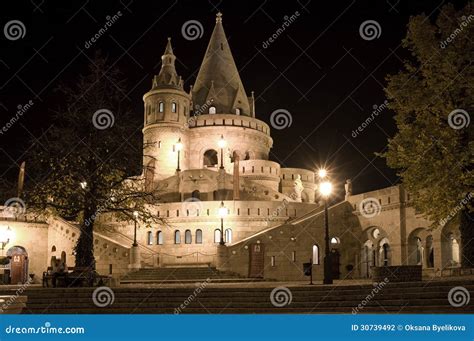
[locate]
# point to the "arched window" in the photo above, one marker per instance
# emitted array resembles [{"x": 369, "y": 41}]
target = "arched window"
[
  {"x": 212, "y": 110},
  {"x": 210, "y": 158},
  {"x": 198, "y": 236},
  {"x": 196, "y": 194},
  {"x": 161, "y": 107},
  {"x": 217, "y": 236},
  {"x": 237, "y": 111},
  {"x": 177, "y": 237},
  {"x": 159, "y": 238},
  {"x": 228, "y": 236},
  {"x": 149, "y": 238},
  {"x": 53, "y": 249},
  {"x": 174, "y": 107},
  {"x": 335, "y": 241},
  {"x": 315, "y": 254},
  {"x": 188, "y": 238}
]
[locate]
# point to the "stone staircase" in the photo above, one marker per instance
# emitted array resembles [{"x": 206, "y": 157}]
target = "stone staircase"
[
  {"x": 171, "y": 275},
  {"x": 415, "y": 297}
]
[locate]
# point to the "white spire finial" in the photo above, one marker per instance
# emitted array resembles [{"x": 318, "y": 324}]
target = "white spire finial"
[{"x": 219, "y": 18}]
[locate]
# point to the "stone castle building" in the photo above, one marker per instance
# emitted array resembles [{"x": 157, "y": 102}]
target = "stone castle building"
[{"x": 225, "y": 204}]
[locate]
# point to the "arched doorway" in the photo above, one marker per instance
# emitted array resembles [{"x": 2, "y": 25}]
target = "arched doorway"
[
  {"x": 375, "y": 251},
  {"x": 18, "y": 264}
]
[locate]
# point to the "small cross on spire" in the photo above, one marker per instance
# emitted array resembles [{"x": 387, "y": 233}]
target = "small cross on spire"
[{"x": 219, "y": 18}]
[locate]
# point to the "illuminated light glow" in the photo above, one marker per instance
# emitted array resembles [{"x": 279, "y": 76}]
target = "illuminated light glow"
[
  {"x": 325, "y": 188},
  {"x": 83, "y": 184},
  {"x": 322, "y": 173},
  {"x": 222, "y": 142},
  {"x": 179, "y": 145},
  {"x": 6, "y": 235},
  {"x": 222, "y": 210},
  {"x": 135, "y": 214}
]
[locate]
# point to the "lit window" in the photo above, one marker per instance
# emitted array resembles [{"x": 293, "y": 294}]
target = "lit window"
[
  {"x": 159, "y": 238},
  {"x": 228, "y": 236},
  {"x": 161, "y": 107},
  {"x": 293, "y": 256},
  {"x": 212, "y": 110},
  {"x": 217, "y": 236},
  {"x": 335, "y": 240},
  {"x": 237, "y": 111},
  {"x": 315, "y": 254},
  {"x": 149, "y": 238},
  {"x": 272, "y": 260},
  {"x": 177, "y": 237},
  {"x": 173, "y": 107},
  {"x": 188, "y": 239},
  {"x": 198, "y": 236}
]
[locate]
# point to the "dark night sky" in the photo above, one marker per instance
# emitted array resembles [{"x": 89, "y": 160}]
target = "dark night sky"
[{"x": 319, "y": 69}]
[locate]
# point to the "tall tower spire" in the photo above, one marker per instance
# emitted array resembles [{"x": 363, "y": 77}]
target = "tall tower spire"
[
  {"x": 219, "y": 73},
  {"x": 168, "y": 77}
]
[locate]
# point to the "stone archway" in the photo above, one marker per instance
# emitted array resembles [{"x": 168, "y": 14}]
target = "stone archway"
[
  {"x": 375, "y": 251},
  {"x": 18, "y": 264},
  {"x": 450, "y": 247}
]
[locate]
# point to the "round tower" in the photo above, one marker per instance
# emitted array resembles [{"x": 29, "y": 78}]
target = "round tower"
[{"x": 166, "y": 118}]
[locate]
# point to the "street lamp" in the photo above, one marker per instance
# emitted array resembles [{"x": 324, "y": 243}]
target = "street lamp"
[
  {"x": 222, "y": 143},
  {"x": 222, "y": 214},
  {"x": 5, "y": 236},
  {"x": 325, "y": 189},
  {"x": 322, "y": 173},
  {"x": 135, "y": 215},
  {"x": 178, "y": 147}
]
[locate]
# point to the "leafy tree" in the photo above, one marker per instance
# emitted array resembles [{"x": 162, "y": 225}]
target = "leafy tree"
[
  {"x": 86, "y": 163},
  {"x": 433, "y": 97}
]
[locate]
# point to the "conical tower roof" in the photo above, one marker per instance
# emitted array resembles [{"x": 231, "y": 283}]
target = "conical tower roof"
[
  {"x": 219, "y": 73},
  {"x": 168, "y": 77}
]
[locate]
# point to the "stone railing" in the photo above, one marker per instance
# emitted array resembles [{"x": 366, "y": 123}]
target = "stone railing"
[{"x": 401, "y": 273}]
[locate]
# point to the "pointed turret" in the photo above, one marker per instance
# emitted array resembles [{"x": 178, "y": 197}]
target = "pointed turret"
[
  {"x": 218, "y": 78},
  {"x": 168, "y": 77}
]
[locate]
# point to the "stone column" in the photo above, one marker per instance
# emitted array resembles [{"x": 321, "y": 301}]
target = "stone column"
[
  {"x": 135, "y": 261},
  {"x": 222, "y": 257}
]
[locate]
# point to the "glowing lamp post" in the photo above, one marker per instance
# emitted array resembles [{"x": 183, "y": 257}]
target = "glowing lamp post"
[
  {"x": 222, "y": 215},
  {"x": 135, "y": 216},
  {"x": 5, "y": 236},
  {"x": 179, "y": 147},
  {"x": 222, "y": 143},
  {"x": 325, "y": 189}
]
